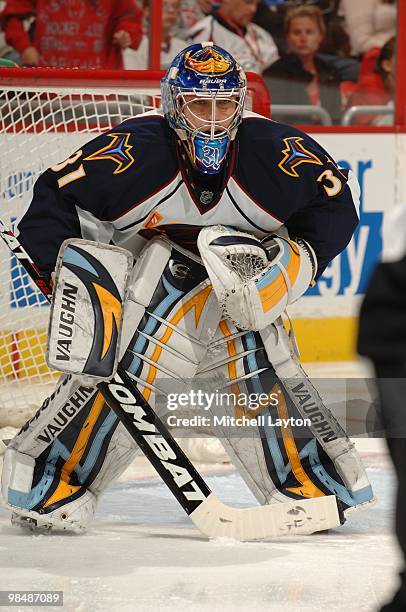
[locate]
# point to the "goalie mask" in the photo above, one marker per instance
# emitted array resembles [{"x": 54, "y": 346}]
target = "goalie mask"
[{"x": 203, "y": 94}]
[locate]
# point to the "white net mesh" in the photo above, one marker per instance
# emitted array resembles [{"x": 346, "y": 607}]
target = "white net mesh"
[
  {"x": 42, "y": 121},
  {"x": 39, "y": 128},
  {"x": 246, "y": 265}
]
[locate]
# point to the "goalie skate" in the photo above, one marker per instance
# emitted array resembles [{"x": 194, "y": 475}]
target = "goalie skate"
[
  {"x": 28, "y": 523},
  {"x": 74, "y": 516}
]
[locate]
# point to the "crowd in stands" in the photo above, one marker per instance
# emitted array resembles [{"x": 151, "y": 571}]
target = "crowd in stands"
[
  {"x": 73, "y": 34},
  {"x": 302, "y": 75},
  {"x": 333, "y": 54}
]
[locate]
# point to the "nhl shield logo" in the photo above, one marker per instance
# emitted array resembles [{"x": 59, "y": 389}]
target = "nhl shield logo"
[{"x": 206, "y": 197}]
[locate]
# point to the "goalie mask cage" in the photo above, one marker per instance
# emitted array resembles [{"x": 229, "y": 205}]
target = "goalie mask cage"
[{"x": 45, "y": 115}]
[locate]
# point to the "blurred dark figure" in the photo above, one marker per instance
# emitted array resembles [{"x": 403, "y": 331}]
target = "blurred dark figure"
[
  {"x": 302, "y": 76},
  {"x": 378, "y": 86},
  {"x": 382, "y": 338}
]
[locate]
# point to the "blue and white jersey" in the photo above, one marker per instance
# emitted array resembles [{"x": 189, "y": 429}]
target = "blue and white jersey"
[{"x": 135, "y": 182}]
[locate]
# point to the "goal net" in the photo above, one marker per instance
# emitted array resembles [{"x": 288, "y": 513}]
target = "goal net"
[{"x": 45, "y": 115}]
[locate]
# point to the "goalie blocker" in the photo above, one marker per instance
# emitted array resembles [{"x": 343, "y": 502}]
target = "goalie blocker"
[
  {"x": 74, "y": 447},
  {"x": 87, "y": 307}
]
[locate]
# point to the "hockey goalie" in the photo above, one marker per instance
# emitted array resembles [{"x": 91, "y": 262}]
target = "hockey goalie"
[{"x": 230, "y": 218}]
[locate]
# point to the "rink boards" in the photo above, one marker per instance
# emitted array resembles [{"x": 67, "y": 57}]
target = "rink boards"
[{"x": 326, "y": 318}]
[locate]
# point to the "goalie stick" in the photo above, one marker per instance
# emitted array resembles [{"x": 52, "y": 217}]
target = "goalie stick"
[{"x": 211, "y": 516}]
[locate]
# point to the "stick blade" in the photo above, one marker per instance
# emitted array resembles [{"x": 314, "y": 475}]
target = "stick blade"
[{"x": 215, "y": 519}]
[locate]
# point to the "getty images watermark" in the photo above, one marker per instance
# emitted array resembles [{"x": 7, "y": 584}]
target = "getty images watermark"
[{"x": 249, "y": 410}]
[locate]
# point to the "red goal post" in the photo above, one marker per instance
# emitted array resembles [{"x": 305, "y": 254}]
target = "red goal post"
[{"x": 45, "y": 115}]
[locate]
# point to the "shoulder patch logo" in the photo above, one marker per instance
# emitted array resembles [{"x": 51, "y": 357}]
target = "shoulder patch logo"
[
  {"x": 154, "y": 219},
  {"x": 118, "y": 150},
  {"x": 296, "y": 154}
]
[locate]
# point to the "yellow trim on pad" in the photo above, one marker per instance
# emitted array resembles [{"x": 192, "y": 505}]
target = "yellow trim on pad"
[
  {"x": 306, "y": 487},
  {"x": 64, "y": 488}
]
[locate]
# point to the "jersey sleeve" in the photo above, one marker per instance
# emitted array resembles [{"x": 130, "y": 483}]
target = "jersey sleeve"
[
  {"x": 324, "y": 197},
  {"x": 81, "y": 196}
]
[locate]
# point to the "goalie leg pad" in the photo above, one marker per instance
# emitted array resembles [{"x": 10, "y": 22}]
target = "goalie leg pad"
[
  {"x": 74, "y": 447},
  {"x": 58, "y": 463},
  {"x": 351, "y": 484},
  {"x": 279, "y": 461},
  {"x": 231, "y": 368},
  {"x": 177, "y": 318}
]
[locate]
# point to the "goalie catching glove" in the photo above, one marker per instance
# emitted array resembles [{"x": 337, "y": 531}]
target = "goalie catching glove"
[{"x": 255, "y": 280}]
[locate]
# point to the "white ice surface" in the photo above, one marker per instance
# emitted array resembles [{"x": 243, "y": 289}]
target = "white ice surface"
[{"x": 143, "y": 553}]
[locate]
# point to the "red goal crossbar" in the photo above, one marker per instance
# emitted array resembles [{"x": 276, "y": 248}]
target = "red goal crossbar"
[{"x": 114, "y": 80}]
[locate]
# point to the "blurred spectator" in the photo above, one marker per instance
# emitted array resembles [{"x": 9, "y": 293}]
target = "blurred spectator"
[
  {"x": 271, "y": 15},
  {"x": 5, "y": 50},
  {"x": 302, "y": 76},
  {"x": 370, "y": 23},
  {"x": 377, "y": 87},
  {"x": 138, "y": 60},
  {"x": 230, "y": 27},
  {"x": 192, "y": 11},
  {"x": 74, "y": 34},
  {"x": 336, "y": 40}
]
